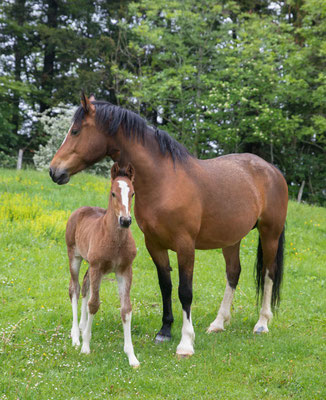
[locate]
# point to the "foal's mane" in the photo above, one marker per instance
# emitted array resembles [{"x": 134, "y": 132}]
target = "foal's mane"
[{"x": 110, "y": 117}]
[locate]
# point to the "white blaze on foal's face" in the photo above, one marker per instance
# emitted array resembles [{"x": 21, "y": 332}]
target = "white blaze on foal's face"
[{"x": 124, "y": 187}]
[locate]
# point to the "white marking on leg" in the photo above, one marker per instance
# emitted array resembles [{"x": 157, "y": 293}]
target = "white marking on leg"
[
  {"x": 128, "y": 347},
  {"x": 265, "y": 312},
  {"x": 185, "y": 347},
  {"x": 83, "y": 317},
  {"x": 124, "y": 195},
  {"x": 87, "y": 334},
  {"x": 224, "y": 313},
  {"x": 75, "y": 329}
]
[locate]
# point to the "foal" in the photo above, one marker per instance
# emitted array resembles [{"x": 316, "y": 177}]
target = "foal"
[{"x": 102, "y": 238}]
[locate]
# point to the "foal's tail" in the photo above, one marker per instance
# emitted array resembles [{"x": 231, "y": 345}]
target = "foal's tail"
[{"x": 278, "y": 273}]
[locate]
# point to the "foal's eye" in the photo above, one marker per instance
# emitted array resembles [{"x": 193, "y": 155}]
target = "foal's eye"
[
  {"x": 133, "y": 194},
  {"x": 113, "y": 194},
  {"x": 74, "y": 132}
]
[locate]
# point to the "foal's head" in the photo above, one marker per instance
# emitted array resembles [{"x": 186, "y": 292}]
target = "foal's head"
[{"x": 122, "y": 191}]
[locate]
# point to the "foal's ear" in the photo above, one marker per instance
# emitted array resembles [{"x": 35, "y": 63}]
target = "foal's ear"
[
  {"x": 130, "y": 172},
  {"x": 86, "y": 103},
  {"x": 114, "y": 171},
  {"x": 92, "y": 97}
]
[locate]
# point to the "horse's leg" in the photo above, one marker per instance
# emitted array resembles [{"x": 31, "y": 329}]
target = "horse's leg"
[
  {"x": 124, "y": 284},
  {"x": 186, "y": 258},
  {"x": 162, "y": 263},
  {"x": 85, "y": 298},
  {"x": 95, "y": 276},
  {"x": 271, "y": 271},
  {"x": 233, "y": 269},
  {"x": 74, "y": 290}
]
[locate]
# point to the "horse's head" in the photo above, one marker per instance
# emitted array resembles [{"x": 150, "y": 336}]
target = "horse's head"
[
  {"x": 83, "y": 146},
  {"x": 122, "y": 191}
]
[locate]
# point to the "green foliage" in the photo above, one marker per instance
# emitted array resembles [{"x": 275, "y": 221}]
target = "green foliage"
[
  {"x": 221, "y": 77},
  {"x": 9, "y": 90},
  {"x": 39, "y": 362}
]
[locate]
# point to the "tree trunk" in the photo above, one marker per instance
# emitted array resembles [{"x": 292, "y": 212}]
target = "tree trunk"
[
  {"x": 301, "y": 191},
  {"x": 20, "y": 159},
  {"x": 19, "y": 11},
  {"x": 49, "y": 55}
]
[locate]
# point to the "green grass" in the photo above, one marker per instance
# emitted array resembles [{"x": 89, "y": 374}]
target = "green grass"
[{"x": 37, "y": 359}]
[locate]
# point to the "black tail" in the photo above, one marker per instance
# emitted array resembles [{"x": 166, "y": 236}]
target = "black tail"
[{"x": 278, "y": 276}]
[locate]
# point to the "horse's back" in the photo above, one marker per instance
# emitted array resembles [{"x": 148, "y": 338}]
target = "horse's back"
[
  {"x": 247, "y": 174},
  {"x": 237, "y": 190}
]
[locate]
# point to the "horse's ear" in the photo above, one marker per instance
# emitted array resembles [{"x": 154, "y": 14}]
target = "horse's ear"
[
  {"x": 130, "y": 172},
  {"x": 114, "y": 171},
  {"x": 92, "y": 97},
  {"x": 86, "y": 103}
]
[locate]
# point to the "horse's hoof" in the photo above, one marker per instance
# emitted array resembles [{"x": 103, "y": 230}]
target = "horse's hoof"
[
  {"x": 182, "y": 356},
  {"x": 184, "y": 353},
  {"x": 85, "y": 349},
  {"x": 162, "y": 338},
  {"x": 260, "y": 329},
  {"x": 212, "y": 329}
]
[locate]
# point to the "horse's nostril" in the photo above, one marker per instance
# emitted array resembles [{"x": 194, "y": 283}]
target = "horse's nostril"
[{"x": 50, "y": 172}]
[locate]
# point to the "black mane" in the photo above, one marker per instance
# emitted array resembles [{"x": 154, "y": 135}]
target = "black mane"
[{"x": 109, "y": 118}]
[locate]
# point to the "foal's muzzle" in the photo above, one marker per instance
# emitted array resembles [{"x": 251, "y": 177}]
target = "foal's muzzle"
[
  {"x": 125, "y": 222},
  {"x": 59, "y": 176}
]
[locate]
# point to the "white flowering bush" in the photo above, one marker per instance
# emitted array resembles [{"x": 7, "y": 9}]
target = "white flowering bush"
[{"x": 56, "y": 123}]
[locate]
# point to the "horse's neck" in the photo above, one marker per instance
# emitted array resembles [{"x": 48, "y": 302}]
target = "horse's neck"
[{"x": 150, "y": 165}]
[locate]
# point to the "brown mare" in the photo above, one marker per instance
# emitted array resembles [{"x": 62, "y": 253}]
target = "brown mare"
[
  {"x": 102, "y": 238},
  {"x": 194, "y": 204}
]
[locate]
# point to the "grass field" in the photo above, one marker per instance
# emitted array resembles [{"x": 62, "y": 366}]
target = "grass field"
[{"x": 36, "y": 357}]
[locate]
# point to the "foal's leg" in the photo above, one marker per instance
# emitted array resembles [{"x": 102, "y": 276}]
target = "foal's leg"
[
  {"x": 85, "y": 298},
  {"x": 186, "y": 258},
  {"x": 269, "y": 243},
  {"x": 124, "y": 284},
  {"x": 233, "y": 269},
  {"x": 74, "y": 289},
  {"x": 95, "y": 276},
  {"x": 161, "y": 260}
]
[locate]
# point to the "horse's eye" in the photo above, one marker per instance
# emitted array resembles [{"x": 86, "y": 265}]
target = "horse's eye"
[
  {"x": 74, "y": 132},
  {"x": 113, "y": 194}
]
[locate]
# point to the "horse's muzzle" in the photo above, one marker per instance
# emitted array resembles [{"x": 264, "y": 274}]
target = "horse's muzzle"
[
  {"x": 58, "y": 176},
  {"x": 125, "y": 222}
]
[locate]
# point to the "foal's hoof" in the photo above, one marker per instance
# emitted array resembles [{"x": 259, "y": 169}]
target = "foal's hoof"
[
  {"x": 75, "y": 336},
  {"x": 181, "y": 356},
  {"x": 214, "y": 328},
  {"x": 162, "y": 338},
  {"x": 85, "y": 349},
  {"x": 75, "y": 342},
  {"x": 184, "y": 353},
  {"x": 260, "y": 329}
]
